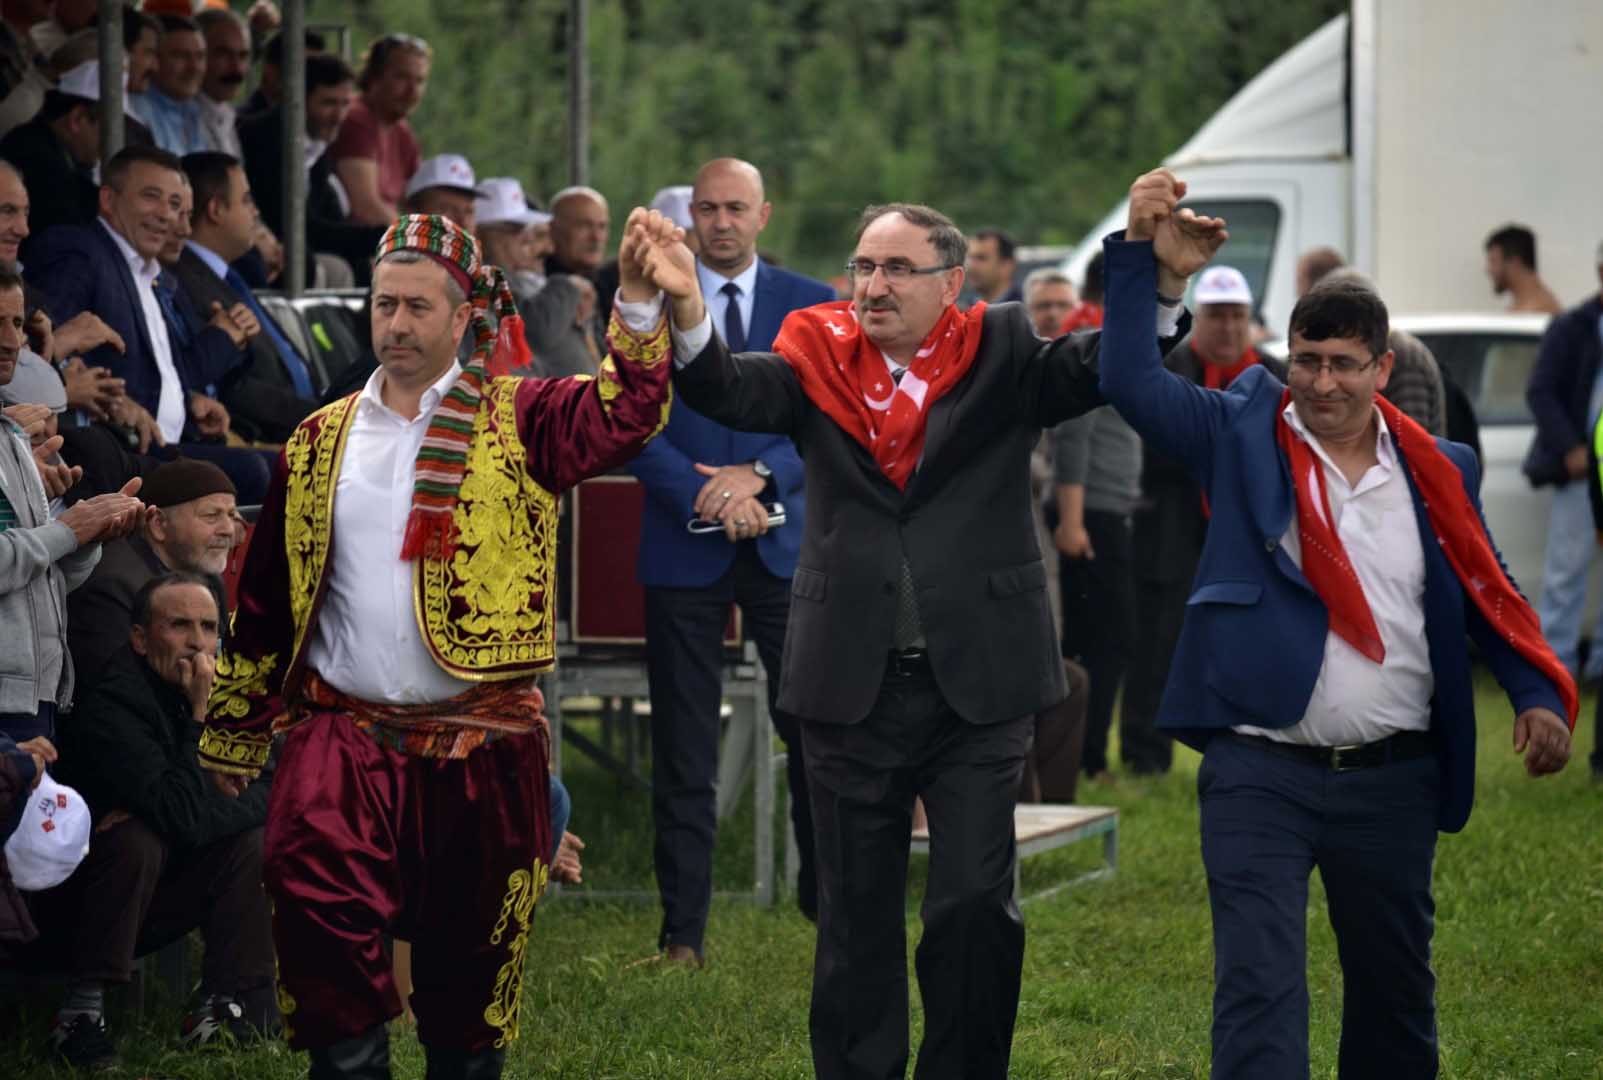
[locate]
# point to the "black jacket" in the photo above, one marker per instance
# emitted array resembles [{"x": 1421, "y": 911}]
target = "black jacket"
[
  {"x": 131, "y": 744},
  {"x": 964, "y": 523},
  {"x": 60, "y": 191},
  {"x": 1560, "y": 390}
]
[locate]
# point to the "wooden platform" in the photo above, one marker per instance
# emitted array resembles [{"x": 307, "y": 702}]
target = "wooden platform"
[{"x": 1043, "y": 827}]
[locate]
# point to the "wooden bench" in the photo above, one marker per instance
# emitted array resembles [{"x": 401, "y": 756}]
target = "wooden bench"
[{"x": 1043, "y": 827}]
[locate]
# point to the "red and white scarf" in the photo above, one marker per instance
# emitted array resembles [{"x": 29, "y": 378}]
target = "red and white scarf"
[
  {"x": 1458, "y": 529},
  {"x": 845, "y": 375}
]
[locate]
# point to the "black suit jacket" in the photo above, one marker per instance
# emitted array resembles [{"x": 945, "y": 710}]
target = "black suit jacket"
[
  {"x": 60, "y": 192},
  {"x": 964, "y": 523},
  {"x": 259, "y": 394}
]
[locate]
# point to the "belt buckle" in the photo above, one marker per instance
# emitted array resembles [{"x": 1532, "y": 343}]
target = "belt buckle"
[{"x": 1336, "y": 754}]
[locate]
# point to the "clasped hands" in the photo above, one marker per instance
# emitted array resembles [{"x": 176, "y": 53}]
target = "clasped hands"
[
  {"x": 1182, "y": 240},
  {"x": 730, "y": 496},
  {"x": 652, "y": 258}
]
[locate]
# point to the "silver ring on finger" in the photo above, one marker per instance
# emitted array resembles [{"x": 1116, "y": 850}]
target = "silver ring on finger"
[{"x": 726, "y": 494}]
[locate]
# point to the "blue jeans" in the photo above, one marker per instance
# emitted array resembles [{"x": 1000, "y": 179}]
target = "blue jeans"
[
  {"x": 561, "y": 812},
  {"x": 1267, "y": 821},
  {"x": 1571, "y": 543}
]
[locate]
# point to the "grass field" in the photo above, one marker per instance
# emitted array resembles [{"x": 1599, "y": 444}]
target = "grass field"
[{"x": 1117, "y": 973}]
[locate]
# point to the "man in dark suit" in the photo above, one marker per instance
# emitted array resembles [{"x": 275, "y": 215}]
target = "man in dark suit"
[
  {"x": 110, "y": 268},
  {"x": 920, "y": 645},
  {"x": 330, "y": 90},
  {"x": 1322, "y": 668},
  {"x": 692, "y": 579},
  {"x": 272, "y": 391},
  {"x": 56, "y": 153}
]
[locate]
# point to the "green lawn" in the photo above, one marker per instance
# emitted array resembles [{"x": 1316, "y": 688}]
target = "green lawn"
[{"x": 1118, "y": 972}]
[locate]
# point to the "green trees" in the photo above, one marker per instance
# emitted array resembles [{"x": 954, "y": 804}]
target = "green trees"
[{"x": 1033, "y": 114}]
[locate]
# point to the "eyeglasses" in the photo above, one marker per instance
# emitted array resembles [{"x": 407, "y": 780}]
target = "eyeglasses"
[
  {"x": 1309, "y": 365},
  {"x": 896, "y": 271}
]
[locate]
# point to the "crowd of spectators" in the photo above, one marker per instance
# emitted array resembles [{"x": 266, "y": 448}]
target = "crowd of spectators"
[{"x": 146, "y": 388}]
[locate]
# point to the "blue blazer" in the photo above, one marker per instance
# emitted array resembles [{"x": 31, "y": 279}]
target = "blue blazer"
[
  {"x": 1254, "y": 634},
  {"x": 80, "y": 268},
  {"x": 672, "y": 557}
]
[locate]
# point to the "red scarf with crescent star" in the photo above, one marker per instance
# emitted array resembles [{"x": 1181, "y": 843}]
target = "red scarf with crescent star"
[
  {"x": 1458, "y": 528},
  {"x": 846, "y": 376}
]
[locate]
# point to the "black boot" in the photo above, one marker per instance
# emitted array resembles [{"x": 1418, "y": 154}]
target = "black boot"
[
  {"x": 463, "y": 1064},
  {"x": 361, "y": 1057}
]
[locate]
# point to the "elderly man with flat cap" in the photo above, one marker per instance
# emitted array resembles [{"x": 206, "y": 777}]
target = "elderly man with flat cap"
[{"x": 188, "y": 525}]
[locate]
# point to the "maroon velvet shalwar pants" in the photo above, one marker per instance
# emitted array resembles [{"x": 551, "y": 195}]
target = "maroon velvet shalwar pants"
[{"x": 449, "y": 854}]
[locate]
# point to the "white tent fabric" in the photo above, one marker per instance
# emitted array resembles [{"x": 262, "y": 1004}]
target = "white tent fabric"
[{"x": 1295, "y": 108}]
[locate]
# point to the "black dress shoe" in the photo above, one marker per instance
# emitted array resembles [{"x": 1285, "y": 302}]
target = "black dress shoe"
[
  {"x": 463, "y": 1064},
  {"x": 361, "y": 1057}
]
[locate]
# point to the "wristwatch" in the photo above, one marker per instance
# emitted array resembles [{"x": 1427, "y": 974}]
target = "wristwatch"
[{"x": 762, "y": 470}]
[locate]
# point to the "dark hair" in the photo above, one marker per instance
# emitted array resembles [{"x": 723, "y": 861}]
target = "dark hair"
[
  {"x": 1342, "y": 308},
  {"x": 10, "y": 279},
  {"x": 323, "y": 69},
  {"x": 1515, "y": 240},
  {"x": 134, "y": 24},
  {"x": 379, "y": 53},
  {"x": 56, "y": 105},
  {"x": 1005, "y": 247},
  {"x": 116, "y": 171},
  {"x": 950, "y": 246},
  {"x": 273, "y": 51},
  {"x": 178, "y": 24},
  {"x": 208, "y": 172},
  {"x": 141, "y": 613},
  {"x": 1091, "y": 290}
]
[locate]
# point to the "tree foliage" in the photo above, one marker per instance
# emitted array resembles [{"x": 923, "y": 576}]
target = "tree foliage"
[{"x": 1034, "y": 114}]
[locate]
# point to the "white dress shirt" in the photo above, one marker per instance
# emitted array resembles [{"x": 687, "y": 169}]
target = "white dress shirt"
[
  {"x": 170, "y": 411},
  {"x": 368, "y": 643},
  {"x": 217, "y": 119},
  {"x": 1356, "y": 700},
  {"x": 712, "y": 285}
]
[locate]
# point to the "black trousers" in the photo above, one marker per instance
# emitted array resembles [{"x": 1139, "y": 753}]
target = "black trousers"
[
  {"x": 1099, "y": 624},
  {"x": 1160, "y": 608},
  {"x": 134, "y": 893},
  {"x": 684, "y": 660},
  {"x": 864, "y": 778}
]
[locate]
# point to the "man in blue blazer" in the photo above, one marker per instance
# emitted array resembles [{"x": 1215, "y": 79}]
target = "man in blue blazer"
[
  {"x": 699, "y": 468},
  {"x": 1322, "y": 668},
  {"x": 110, "y": 267}
]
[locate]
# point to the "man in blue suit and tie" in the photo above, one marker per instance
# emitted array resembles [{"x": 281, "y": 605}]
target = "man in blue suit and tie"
[
  {"x": 1322, "y": 668},
  {"x": 698, "y": 468}
]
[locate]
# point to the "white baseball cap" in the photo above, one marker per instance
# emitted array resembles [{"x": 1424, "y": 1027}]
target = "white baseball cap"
[
  {"x": 1222, "y": 285},
  {"x": 442, "y": 170},
  {"x": 501, "y": 201},
  {"x": 52, "y": 839},
  {"x": 673, "y": 203}
]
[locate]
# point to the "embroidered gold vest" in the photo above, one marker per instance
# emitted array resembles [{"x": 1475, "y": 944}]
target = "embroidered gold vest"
[{"x": 489, "y": 611}]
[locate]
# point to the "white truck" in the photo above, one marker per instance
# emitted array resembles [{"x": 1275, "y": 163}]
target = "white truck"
[{"x": 1402, "y": 135}]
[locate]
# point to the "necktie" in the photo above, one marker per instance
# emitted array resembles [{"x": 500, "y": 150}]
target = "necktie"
[
  {"x": 286, "y": 352},
  {"x": 909, "y": 630},
  {"x": 734, "y": 328}
]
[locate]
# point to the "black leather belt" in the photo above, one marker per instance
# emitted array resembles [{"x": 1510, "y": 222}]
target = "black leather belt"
[
  {"x": 907, "y": 662},
  {"x": 1403, "y": 746}
]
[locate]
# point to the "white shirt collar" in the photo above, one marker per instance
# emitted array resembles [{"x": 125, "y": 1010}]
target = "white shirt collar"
[
  {"x": 1385, "y": 449},
  {"x": 143, "y": 268},
  {"x": 373, "y": 393},
  {"x": 713, "y": 282}
]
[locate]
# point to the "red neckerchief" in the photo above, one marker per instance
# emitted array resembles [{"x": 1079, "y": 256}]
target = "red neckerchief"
[
  {"x": 845, "y": 375},
  {"x": 1457, "y": 526},
  {"x": 1082, "y": 316},
  {"x": 1216, "y": 377}
]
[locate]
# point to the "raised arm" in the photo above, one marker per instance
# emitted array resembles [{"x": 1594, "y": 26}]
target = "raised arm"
[{"x": 1161, "y": 247}]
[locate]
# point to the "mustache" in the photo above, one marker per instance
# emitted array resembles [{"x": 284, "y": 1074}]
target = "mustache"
[
  {"x": 880, "y": 303},
  {"x": 232, "y": 79}
]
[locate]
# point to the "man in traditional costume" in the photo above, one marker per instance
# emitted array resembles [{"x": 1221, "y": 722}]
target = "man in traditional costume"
[{"x": 395, "y": 607}]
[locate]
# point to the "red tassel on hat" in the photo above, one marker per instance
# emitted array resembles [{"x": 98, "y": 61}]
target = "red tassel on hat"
[{"x": 511, "y": 352}]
